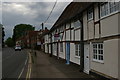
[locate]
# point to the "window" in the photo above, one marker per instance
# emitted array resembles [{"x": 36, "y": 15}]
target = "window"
[
  {"x": 61, "y": 47},
  {"x": 90, "y": 14},
  {"x": 114, "y": 6},
  {"x": 108, "y": 8},
  {"x": 77, "y": 49},
  {"x": 98, "y": 52},
  {"x": 76, "y": 24},
  {"x": 67, "y": 26}
]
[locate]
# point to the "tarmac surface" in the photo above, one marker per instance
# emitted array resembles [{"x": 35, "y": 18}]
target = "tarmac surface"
[{"x": 44, "y": 66}]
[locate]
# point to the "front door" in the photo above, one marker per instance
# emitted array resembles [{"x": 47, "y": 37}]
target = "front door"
[
  {"x": 86, "y": 58},
  {"x": 67, "y": 53}
]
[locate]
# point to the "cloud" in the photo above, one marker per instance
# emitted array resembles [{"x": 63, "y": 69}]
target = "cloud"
[{"x": 33, "y": 13}]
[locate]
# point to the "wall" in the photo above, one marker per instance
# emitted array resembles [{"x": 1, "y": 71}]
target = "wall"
[
  {"x": 109, "y": 67},
  {"x": 46, "y": 48},
  {"x": 109, "y": 26},
  {"x": 85, "y": 28},
  {"x": 119, "y": 49},
  {"x": 73, "y": 58},
  {"x": 77, "y": 35},
  {"x": 55, "y": 49},
  {"x": 62, "y": 54},
  {"x": 68, "y": 35}
]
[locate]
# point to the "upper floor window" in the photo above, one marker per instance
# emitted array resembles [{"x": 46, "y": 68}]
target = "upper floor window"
[
  {"x": 67, "y": 26},
  {"x": 108, "y": 8},
  {"x": 98, "y": 52},
  {"x": 77, "y": 50},
  {"x": 90, "y": 14},
  {"x": 76, "y": 24}
]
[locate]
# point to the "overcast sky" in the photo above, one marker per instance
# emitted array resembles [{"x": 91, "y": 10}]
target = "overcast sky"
[{"x": 33, "y": 13}]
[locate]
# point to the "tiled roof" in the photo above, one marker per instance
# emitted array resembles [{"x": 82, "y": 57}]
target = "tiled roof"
[{"x": 71, "y": 11}]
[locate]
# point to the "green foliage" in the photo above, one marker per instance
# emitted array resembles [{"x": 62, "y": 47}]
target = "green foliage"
[
  {"x": 3, "y": 34},
  {"x": 20, "y": 30},
  {"x": 9, "y": 42}
]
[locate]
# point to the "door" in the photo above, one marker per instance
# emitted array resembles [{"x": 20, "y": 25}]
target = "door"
[
  {"x": 67, "y": 53},
  {"x": 86, "y": 58}
]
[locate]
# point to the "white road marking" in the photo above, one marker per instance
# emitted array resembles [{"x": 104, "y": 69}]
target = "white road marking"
[{"x": 23, "y": 68}]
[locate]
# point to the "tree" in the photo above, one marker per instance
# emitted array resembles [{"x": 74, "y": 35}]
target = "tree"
[
  {"x": 3, "y": 34},
  {"x": 20, "y": 29},
  {"x": 9, "y": 42}
]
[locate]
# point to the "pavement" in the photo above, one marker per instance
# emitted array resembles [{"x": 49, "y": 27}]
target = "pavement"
[{"x": 44, "y": 66}]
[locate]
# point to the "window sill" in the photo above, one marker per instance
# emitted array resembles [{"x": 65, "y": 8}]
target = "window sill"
[
  {"x": 109, "y": 15},
  {"x": 98, "y": 61},
  {"x": 77, "y": 57},
  {"x": 77, "y": 28},
  {"x": 89, "y": 20}
]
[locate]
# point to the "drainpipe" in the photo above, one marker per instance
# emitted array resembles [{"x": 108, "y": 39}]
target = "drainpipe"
[{"x": 82, "y": 49}]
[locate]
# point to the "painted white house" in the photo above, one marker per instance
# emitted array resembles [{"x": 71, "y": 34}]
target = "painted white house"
[
  {"x": 88, "y": 34},
  {"x": 101, "y": 37}
]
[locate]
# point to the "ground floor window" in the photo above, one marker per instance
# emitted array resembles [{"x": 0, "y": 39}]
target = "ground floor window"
[
  {"x": 98, "y": 52},
  {"x": 77, "y": 50}
]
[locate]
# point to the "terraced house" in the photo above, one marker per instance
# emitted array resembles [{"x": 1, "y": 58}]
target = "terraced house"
[{"x": 87, "y": 34}]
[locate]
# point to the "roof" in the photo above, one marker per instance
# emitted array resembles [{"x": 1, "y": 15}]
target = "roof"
[
  {"x": 46, "y": 31},
  {"x": 72, "y": 11}
]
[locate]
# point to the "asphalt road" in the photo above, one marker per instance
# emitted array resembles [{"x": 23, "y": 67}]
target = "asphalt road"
[{"x": 13, "y": 62}]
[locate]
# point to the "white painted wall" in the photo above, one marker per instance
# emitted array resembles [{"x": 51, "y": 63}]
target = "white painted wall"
[
  {"x": 91, "y": 29},
  {"x": 55, "y": 49},
  {"x": 46, "y": 48},
  {"x": 77, "y": 35},
  {"x": 73, "y": 58},
  {"x": 68, "y": 35},
  {"x": 85, "y": 28},
  {"x": 110, "y": 65},
  {"x": 62, "y": 54},
  {"x": 109, "y": 25},
  {"x": 49, "y": 48}
]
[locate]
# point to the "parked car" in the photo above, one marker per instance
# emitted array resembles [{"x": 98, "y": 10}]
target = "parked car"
[{"x": 17, "y": 48}]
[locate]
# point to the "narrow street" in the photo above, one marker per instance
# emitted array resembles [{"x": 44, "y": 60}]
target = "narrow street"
[{"x": 13, "y": 63}]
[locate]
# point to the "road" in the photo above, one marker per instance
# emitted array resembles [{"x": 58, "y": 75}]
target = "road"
[{"x": 13, "y": 63}]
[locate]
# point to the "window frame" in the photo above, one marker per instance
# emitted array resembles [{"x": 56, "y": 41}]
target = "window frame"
[
  {"x": 98, "y": 51},
  {"x": 78, "y": 50},
  {"x": 91, "y": 10},
  {"x": 109, "y": 8}
]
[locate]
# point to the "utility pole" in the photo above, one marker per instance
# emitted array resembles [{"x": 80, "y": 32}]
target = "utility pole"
[{"x": 42, "y": 26}]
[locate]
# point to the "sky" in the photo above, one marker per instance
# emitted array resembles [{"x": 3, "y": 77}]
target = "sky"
[{"x": 33, "y": 13}]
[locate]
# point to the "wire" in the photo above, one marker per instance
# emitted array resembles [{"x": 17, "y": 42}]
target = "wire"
[{"x": 51, "y": 12}]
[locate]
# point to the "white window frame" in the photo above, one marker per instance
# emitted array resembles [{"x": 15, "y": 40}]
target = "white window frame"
[
  {"x": 96, "y": 52},
  {"x": 108, "y": 8},
  {"x": 77, "y": 50},
  {"x": 90, "y": 14},
  {"x": 61, "y": 46}
]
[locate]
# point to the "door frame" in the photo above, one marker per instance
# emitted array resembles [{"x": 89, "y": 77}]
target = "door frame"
[
  {"x": 67, "y": 52},
  {"x": 87, "y": 57}
]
